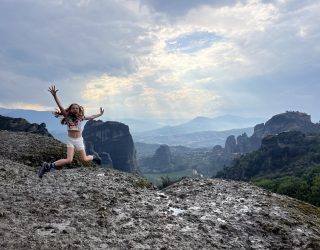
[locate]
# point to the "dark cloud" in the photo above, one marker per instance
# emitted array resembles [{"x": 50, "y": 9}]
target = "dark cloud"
[
  {"x": 175, "y": 8},
  {"x": 51, "y": 41}
]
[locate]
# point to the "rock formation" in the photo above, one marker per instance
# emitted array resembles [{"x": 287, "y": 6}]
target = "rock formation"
[
  {"x": 22, "y": 125},
  {"x": 230, "y": 145},
  {"x": 160, "y": 161},
  {"x": 98, "y": 208},
  {"x": 161, "y": 158},
  {"x": 289, "y": 121},
  {"x": 113, "y": 142},
  {"x": 285, "y": 154}
]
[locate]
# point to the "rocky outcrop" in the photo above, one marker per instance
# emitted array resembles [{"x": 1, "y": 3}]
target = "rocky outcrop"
[
  {"x": 286, "y": 163},
  {"x": 230, "y": 145},
  {"x": 33, "y": 149},
  {"x": 113, "y": 142},
  {"x": 22, "y": 125},
  {"x": 161, "y": 161},
  {"x": 219, "y": 157},
  {"x": 289, "y": 121},
  {"x": 162, "y": 156},
  {"x": 98, "y": 208},
  {"x": 285, "y": 154}
]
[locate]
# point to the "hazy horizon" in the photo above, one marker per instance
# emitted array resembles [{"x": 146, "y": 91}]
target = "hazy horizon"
[
  {"x": 162, "y": 60},
  {"x": 174, "y": 122}
]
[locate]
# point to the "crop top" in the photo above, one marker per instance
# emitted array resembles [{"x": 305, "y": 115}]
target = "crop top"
[{"x": 74, "y": 125}]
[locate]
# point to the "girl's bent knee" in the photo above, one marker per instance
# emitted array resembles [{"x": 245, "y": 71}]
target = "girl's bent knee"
[{"x": 68, "y": 161}]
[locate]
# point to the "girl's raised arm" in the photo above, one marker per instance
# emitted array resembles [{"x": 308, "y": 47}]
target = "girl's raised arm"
[
  {"x": 95, "y": 116},
  {"x": 54, "y": 91}
]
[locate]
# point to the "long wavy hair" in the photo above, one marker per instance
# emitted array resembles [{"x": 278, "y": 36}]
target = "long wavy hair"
[{"x": 70, "y": 116}]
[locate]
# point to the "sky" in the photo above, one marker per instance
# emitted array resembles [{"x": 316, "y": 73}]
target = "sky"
[{"x": 162, "y": 59}]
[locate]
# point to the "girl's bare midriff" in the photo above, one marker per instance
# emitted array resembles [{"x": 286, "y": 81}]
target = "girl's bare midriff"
[{"x": 74, "y": 133}]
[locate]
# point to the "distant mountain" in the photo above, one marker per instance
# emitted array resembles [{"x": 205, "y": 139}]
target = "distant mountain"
[
  {"x": 193, "y": 140},
  {"x": 198, "y": 124}
]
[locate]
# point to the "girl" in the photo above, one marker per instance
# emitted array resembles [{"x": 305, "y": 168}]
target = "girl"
[{"x": 72, "y": 117}]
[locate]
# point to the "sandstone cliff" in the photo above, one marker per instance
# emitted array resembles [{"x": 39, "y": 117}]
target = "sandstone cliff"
[{"x": 113, "y": 142}]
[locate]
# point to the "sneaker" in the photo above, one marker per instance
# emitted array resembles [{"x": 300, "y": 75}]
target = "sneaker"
[
  {"x": 43, "y": 169},
  {"x": 96, "y": 159}
]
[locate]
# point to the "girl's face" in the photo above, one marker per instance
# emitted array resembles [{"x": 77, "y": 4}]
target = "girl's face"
[{"x": 74, "y": 109}]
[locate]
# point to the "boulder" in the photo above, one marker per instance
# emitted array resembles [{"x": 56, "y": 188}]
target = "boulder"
[{"x": 113, "y": 142}]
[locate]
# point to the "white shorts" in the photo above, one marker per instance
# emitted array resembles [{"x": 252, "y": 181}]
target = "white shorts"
[{"x": 76, "y": 143}]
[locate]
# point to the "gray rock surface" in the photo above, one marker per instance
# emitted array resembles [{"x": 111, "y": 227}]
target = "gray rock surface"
[
  {"x": 96, "y": 208},
  {"x": 33, "y": 149}
]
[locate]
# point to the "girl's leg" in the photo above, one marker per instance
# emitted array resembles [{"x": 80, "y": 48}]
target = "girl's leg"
[
  {"x": 70, "y": 154},
  {"x": 84, "y": 156}
]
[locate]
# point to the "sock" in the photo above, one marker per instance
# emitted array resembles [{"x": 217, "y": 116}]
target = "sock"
[
  {"x": 52, "y": 165},
  {"x": 96, "y": 159}
]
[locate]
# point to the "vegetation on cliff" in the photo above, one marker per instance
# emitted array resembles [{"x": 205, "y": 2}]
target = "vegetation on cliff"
[{"x": 288, "y": 163}]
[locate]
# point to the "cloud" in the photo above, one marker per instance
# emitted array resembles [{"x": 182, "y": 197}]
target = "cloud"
[
  {"x": 21, "y": 105},
  {"x": 237, "y": 70},
  {"x": 179, "y": 104},
  {"x": 54, "y": 40},
  {"x": 176, "y": 9},
  {"x": 161, "y": 58}
]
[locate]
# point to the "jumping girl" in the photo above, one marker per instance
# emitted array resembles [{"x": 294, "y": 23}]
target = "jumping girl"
[{"x": 72, "y": 117}]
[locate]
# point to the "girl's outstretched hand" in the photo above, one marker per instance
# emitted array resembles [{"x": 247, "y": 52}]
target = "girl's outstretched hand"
[
  {"x": 53, "y": 90},
  {"x": 101, "y": 111}
]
